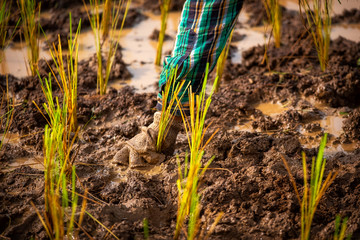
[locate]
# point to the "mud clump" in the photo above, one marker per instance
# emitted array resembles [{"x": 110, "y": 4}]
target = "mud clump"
[
  {"x": 347, "y": 17},
  {"x": 352, "y": 125}
]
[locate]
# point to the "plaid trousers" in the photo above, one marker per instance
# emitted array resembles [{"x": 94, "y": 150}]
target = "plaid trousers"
[{"x": 204, "y": 29}]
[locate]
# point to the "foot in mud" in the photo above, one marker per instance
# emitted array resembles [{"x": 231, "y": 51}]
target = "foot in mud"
[{"x": 140, "y": 151}]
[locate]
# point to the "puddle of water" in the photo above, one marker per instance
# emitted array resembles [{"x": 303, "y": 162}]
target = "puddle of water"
[
  {"x": 331, "y": 148},
  {"x": 330, "y": 124},
  {"x": 252, "y": 39},
  {"x": 15, "y": 59},
  {"x": 271, "y": 109},
  {"x": 139, "y": 51},
  {"x": 350, "y": 32}
]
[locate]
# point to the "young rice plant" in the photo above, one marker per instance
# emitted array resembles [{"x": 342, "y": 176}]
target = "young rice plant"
[
  {"x": 4, "y": 19},
  {"x": 57, "y": 148},
  {"x": 31, "y": 31},
  {"x": 273, "y": 12},
  {"x": 169, "y": 107},
  {"x": 68, "y": 72},
  {"x": 97, "y": 26},
  {"x": 189, "y": 181},
  {"x": 4, "y": 23},
  {"x": 340, "y": 228},
  {"x": 164, "y": 7},
  {"x": 319, "y": 26},
  {"x": 7, "y": 117},
  {"x": 314, "y": 191},
  {"x": 106, "y": 17}
]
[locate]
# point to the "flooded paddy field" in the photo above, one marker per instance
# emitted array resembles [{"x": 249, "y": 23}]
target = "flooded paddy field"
[{"x": 261, "y": 115}]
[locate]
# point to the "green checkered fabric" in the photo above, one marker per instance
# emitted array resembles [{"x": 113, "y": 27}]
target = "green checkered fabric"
[{"x": 202, "y": 34}]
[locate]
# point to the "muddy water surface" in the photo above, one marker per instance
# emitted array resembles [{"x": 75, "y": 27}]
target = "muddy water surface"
[{"x": 329, "y": 123}]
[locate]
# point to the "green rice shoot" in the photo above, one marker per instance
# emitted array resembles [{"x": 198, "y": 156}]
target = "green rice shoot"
[
  {"x": 314, "y": 191},
  {"x": 169, "y": 107},
  {"x": 340, "y": 228},
  {"x": 4, "y": 24},
  {"x": 97, "y": 26},
  {"x": 318, "y": 18},
  {"x": 31, "y": 31},
  {"x": 6, "y": 118},
  {"x": 68, "y": 72},
  {"x": 164, "y": 7},
  {"x": 189, "y": 181},
  {"x": 273, "y": 12},
  {"x": 106, "y": 17}
]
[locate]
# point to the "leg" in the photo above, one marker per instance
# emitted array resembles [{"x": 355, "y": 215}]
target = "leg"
[{"x": 203, "y": 31}]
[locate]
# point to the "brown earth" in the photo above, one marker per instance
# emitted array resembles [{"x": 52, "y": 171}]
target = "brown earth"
[{"x": 247, "y": 180}]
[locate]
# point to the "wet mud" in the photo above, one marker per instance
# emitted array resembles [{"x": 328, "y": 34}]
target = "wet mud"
[{"x": 261, "y": 115}]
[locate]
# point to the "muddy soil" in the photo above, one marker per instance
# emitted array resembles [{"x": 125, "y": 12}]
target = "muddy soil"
[{"x": 247, "y": 180}]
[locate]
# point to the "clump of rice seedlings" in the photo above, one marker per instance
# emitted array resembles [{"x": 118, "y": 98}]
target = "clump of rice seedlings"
[
  {"x": 31, "y": 30},
  {"x": 97, "y": 26},
  {"x": 57, "y": 117},
  {"x": 273, "y": 11},
  {"x": 169, "y": 107},
  {"x": 164, "y": 7},
  {"x": 319, "y": 26},
  {"x": 59, "y": 210},
  {"x": 314, "y": 191},
  {"x": 68, "y": 72},
  {"x": 4, "y": 20},
  {"x": 6, "y": 118},
  {"x": 189, "y": 181},
  {"x": 221, "y": 62},
  {"x": 58, "y": 144},
  {"x": 340, "y": 228}
]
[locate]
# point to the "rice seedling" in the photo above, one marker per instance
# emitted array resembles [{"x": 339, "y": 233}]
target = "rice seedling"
[
  {"x": 4, "y": 21},
  {"x": 340, "y": 228},
  {"x": 68, "y": 72},
  {"x": 189, "y": 198},
  {"x": 56, "y": 193},
  {"x": 146, "y": 229},
  {"x": 96, "y": 26},
  {"x": 169, "y": 107},
  {"x": 106, "y": 15},
  {"x": 31, "y": 30},
  {"x": 57, "y": 117},
  {"x": 314, "y": 191},
  {"x": 8, "y": 115},
  {"x": 164, "y": 7},
  {"x": 221, "y": 62},
  {"x": 273, "y": 11},
  {"x": 57, "y": 149},
  {"x": 319, "y": 26}
]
